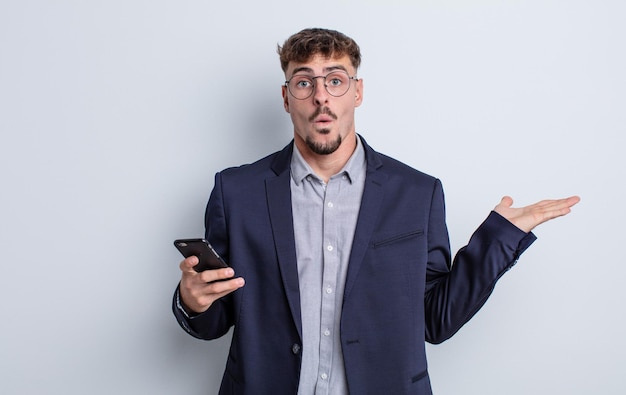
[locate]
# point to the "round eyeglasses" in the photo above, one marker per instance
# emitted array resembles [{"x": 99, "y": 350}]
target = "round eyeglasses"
[{"x": 337, "y": 83}]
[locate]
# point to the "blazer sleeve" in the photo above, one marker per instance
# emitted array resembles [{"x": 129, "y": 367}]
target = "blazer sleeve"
[
  {"x": 456, "y": 291},
  {"x": 218, "y": 319}
]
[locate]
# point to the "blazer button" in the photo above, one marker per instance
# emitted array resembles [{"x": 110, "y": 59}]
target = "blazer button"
[{"x": 295, "y": 348}]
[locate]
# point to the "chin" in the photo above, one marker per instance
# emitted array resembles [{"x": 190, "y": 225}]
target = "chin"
[{"x": 325, "y": 148}]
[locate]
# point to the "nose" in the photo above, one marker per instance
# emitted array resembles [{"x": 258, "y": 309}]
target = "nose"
[{"x": 320, "y": 94}]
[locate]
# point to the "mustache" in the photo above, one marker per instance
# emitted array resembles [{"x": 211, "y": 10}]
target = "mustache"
[{"x": 320, "y": 111}]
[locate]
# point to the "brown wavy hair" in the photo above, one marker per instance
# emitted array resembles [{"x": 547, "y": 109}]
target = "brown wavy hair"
[{"x": 302, "y": 46}]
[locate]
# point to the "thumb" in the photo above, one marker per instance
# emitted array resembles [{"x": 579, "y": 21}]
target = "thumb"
[
  {"x": 186, "y": 266},
  {"x": 506, "y": 202}
]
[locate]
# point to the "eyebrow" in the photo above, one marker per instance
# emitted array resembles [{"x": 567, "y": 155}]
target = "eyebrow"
[{"x": 326, "y": 69}]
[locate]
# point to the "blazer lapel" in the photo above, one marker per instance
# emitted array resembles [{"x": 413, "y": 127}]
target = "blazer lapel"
[
  {"x": 371, "y": 201},
  {"x": 278, "y": 192}
]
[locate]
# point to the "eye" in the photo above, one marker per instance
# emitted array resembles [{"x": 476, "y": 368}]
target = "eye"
[
  {"x": 301, "y": 82},
  {"x": 335, "y": 81}
]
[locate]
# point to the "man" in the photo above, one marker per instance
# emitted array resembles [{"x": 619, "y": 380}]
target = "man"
[{"x": 341, "y": 254}]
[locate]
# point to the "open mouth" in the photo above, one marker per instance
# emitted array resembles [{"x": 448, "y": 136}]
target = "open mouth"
[
  {"x": 323, "y": 120},
  {"x": 323, "y": 116}
]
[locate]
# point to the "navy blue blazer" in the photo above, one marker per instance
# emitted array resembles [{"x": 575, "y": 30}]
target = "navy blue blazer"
[{"x": 401, "y": 287}]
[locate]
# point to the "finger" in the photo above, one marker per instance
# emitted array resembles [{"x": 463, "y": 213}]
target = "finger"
[
  {"x": 563, "y": 207},
  {"x": 221, "y": 288},
  {"x": 569, "y": 201},
  {"x": 505, "y": 202},
  {"x": 556, "y": 208},
  {"x": 559, "y": 204},
  {"x": 203, "y": 296},
  {"x": 572, "y": 200},
  {"x": 186, "y": 265},
  {"x": 216, "y": 274}
]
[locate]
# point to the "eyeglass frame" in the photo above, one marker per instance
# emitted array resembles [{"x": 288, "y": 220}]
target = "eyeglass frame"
[{"x": 313, "y": 78}]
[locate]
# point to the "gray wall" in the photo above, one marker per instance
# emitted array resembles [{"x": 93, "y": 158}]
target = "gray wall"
[{"x": 114, "y": 116}]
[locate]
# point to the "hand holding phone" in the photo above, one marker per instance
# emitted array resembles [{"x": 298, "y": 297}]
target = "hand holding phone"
[
  {"x": 202, "y": 249},
  {"x": 199, "y": 290}
]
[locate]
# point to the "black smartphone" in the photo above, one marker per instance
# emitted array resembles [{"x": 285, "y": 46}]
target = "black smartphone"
[{"x": 208, "y": 258}]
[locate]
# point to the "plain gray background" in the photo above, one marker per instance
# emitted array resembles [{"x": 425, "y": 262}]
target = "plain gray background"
[{"x": 115, "y": 115}]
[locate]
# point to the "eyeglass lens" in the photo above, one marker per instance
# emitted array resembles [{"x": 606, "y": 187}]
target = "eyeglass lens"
[{"x": 301, "y": 86}]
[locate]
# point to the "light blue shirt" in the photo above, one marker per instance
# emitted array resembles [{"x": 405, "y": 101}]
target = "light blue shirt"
[{"x": 324, "y": 221}]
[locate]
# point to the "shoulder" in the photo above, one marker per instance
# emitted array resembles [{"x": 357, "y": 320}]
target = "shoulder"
[
  {"x": 250, "y": 169},
  {"x": 270, "y": 165},
  {"x": 395, "y": 169}
]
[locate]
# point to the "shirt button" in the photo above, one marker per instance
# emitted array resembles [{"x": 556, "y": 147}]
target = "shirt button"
[
  {"x": 326, "y": 332},
  {"x": 324, "y": 376},
  {"x": 329, "y": 248},
  {"x": 329, "y": 290},
  {"x": 330, "y": 204},
  {"x": 295, "y": 348}
]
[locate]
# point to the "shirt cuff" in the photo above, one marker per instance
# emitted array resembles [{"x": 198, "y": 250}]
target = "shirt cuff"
[{"x": 181, "y": 307}]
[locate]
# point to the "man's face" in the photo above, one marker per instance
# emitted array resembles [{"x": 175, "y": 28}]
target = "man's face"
[{"x": 322, "y": 121}]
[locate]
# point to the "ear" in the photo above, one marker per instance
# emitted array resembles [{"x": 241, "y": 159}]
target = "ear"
[
  {"x": 285, "y": 98},
  {"x": 358, "y": 94}
]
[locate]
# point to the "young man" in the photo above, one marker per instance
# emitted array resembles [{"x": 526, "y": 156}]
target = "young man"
[{"x": 344, "y": 251}]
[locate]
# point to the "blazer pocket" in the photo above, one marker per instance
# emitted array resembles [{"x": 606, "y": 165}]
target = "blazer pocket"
[
  {"x": 419, "y": 376},
  {"x": 397, "y": 238}
]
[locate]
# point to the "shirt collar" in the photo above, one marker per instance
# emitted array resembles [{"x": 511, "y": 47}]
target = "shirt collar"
[{"x": 353, "y": 169}]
